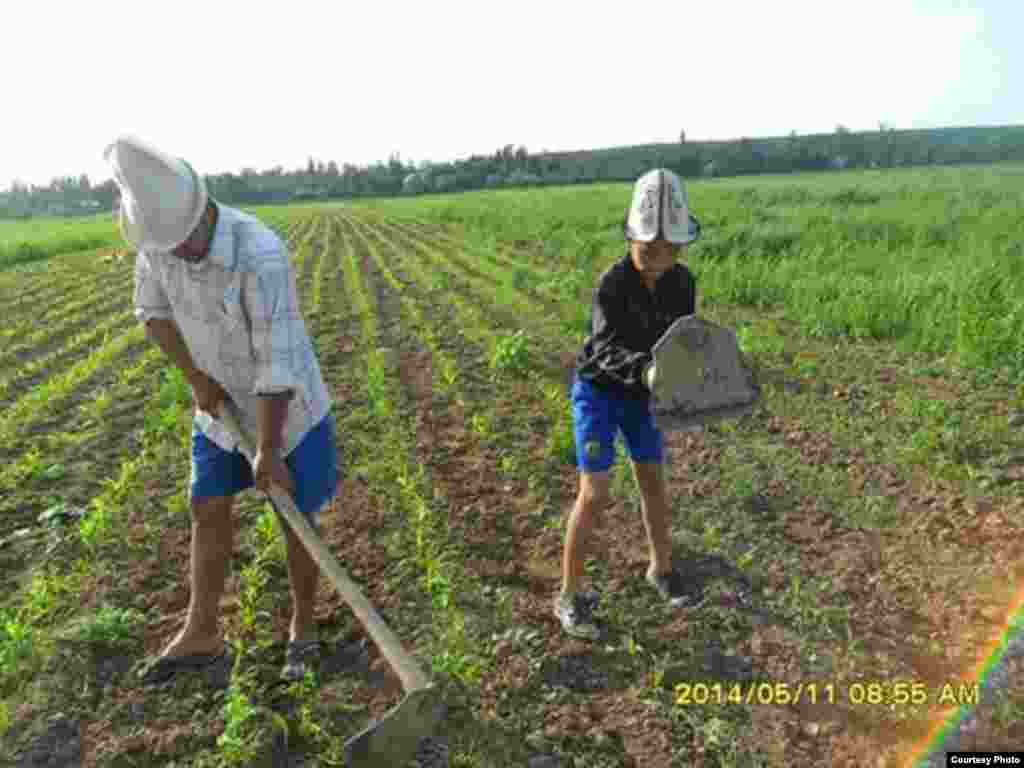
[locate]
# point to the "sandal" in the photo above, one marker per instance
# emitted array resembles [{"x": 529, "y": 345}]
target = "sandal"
[
  {"x": 166, "y": 667},
  {"x": 297, "y": 656}
]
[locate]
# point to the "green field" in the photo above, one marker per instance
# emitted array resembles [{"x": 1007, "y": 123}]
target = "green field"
[
  {"x": 861, "y": 531},
  {"x": 33, "y": 240}
]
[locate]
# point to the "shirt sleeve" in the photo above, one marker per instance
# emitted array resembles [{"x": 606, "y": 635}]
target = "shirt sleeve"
[
  {"x": 611, "y": 355},
  {"x": 151, "y": 301},
  {"x": 271, "y": 301}
]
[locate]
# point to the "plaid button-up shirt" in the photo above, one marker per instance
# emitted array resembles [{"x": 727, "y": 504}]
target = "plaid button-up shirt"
[{"x": 238, "y": 313}]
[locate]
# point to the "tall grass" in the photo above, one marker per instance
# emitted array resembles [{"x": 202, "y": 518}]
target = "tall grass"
[{"x": 927, "y": 258}]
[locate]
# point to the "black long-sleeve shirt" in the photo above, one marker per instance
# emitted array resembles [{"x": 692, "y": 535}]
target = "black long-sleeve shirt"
[{"x": 626, "y": 320}]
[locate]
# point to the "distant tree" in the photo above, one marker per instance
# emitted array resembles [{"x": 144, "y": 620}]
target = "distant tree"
[
  {"x": 105, "y": 194},
  {"x": 793, "y": 151},
  {"x": 885, "y": 135},
  {"x": 841, "y": 141},
  {"x": 413, "y": 184}
]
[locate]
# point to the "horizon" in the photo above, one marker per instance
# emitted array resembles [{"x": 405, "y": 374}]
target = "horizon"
[
  {"x": 435, "y": 86},
  {"x": 574, "y": 150}
]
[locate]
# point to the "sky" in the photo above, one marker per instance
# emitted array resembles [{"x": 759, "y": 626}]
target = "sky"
[{"x": 228, "y": 85}]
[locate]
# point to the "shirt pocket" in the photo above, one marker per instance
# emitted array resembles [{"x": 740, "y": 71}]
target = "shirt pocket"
[
  {"x": 229, "y": 332},
  {"x": 230, "y": 309}
]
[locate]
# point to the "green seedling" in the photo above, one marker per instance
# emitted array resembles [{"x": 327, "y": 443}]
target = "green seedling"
[
  {"x": 761, "y": 340},
  {"x": 17, "y": 647},
  {"x": 110, "y": 626},
  {"x": 238, "y": 743},
  {"x": 32, "y": 463},
  {"x": 508, "y": 464},
  {"x": 269, "y": 542},
  {"x": 52, "y": 472},
  {"x": 253, "y": 587},
  {"x": 481, "y": 424}
]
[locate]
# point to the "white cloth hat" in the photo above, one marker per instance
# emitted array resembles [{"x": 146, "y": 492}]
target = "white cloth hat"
[
  {"x": 162, "y": 198},
  {"x": 660, "y": 208}
]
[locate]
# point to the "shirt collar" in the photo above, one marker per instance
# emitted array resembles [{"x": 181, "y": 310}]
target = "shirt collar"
[
  {"x": 637, "y": 279},
  {"x": 631, "y": 269},
  {"x": 222, "y": 246}
]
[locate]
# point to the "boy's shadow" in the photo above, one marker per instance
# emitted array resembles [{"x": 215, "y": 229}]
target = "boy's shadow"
[
  {"x": 700, "y": 570},
  {"x": 742, "y": 595}
]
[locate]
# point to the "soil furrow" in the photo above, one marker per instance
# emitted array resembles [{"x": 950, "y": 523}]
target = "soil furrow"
[
  {"x": 55, "y": 360},
  {"x": 858, "y": 551},
  {"x": 70, "y": 306},
  {"x": 45, "y": 417},
  {"x": 496, "y": 519},
  {"x": 85, "y": 462},
  {"x": 508, "y": 317},
  {"x": 438, "y": 239}
]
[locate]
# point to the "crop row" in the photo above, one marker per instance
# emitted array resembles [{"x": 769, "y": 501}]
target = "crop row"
[
  {"x": 392, "y": 320},
  {"x": 38, "y": 326},
  {"x": 748, "y": 466},
  {"x": 66, "y": 372}
]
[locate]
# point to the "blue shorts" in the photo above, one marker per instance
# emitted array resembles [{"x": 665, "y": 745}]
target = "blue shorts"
[
  {"x": 597, "y": 418},
  {"x": 313, "y": 464}
]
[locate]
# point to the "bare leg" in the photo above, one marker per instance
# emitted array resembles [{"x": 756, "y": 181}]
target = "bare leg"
[
  {"x": 303, "y": 575},
  {"x": 592, "y": 499},
  {"x": 656, "y": 513},
  {"x": 212, "y": 540}
]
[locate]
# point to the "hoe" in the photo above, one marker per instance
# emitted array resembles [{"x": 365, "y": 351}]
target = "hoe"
[{"x": 393, "y": 740}]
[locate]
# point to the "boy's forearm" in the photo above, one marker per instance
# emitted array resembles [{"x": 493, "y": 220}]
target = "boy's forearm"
[
  {"x": 272, "y": 411},
  {"x": 165, "y": 334},
  {"x": 623, "y": 365}
]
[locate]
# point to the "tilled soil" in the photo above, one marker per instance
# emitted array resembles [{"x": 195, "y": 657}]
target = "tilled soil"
[{"x": 543, "y": 697}]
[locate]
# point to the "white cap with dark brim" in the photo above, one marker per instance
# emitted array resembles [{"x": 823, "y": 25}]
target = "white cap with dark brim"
[{"x": 660, "y": 210}]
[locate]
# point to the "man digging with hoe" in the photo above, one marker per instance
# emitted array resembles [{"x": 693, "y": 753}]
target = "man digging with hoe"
[
  {"x": 216, "y": 293},
  {"x": 215, "y": 290}
]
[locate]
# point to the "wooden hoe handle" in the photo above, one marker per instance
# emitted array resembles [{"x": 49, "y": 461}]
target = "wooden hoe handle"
[{"x": 404, "y": 665}]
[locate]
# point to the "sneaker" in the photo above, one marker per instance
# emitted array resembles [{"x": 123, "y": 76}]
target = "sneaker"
[
  {"x": 299, "y": 657},
  {"x": 575, "y": 612},
  {"x": 672, "y": 586}
]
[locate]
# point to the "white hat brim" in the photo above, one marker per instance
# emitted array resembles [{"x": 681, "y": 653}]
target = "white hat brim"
[
  {"x": 676, "y": 236},
  {"x": 134, "y": 231}
]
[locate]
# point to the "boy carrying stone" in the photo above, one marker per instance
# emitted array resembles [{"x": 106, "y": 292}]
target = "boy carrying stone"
[{"x": 635, "y": 302}]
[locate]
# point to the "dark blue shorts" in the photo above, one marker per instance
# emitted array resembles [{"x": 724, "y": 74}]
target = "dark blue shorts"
[
  {"x": 313, "y": 464},
  {"x": 598, "y": 416}
]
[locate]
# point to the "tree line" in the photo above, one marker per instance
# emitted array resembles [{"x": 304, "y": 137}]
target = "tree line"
[{"x": 513, "y": 166}]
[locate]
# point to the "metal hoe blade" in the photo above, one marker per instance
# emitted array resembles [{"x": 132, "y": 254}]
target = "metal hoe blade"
[
  {"x": 392, "y": 741},
  {"x": 701, "y": 377}
]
